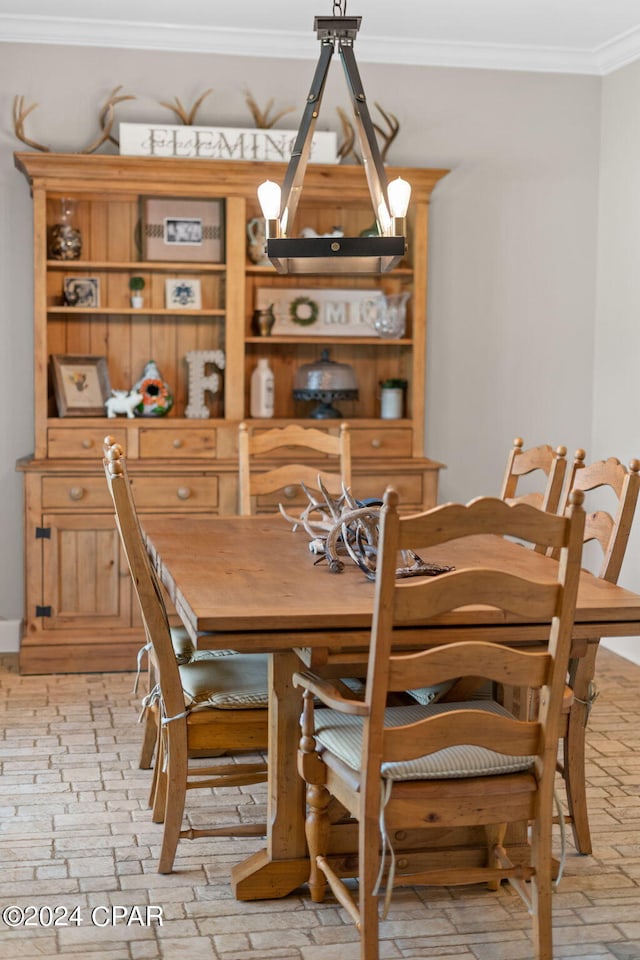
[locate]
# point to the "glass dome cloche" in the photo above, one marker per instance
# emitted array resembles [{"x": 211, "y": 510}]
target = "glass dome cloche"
[{"x": 325, "y": 380}]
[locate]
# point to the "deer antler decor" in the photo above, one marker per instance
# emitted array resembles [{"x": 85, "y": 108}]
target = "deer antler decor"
[
  {"x": 107, "y": 117},
  {"x": 20, "y": 114},
  {"x": 181, "y": 112},
  {"x": 261, "y": 117},
  {"x": 346, "y": 148},
  {"x": 387, "y": 137},
  {"x": 344, "y": 525}
]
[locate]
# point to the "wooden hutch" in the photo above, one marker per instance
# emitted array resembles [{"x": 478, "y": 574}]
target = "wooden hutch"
[{"x": 80, "y": 615}]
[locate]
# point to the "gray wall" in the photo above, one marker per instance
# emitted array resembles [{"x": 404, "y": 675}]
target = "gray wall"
[
  {"x": 616, "y": 414},
  {"x": 513, "y": 242}
]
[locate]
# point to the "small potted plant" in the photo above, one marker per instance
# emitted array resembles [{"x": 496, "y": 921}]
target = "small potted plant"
[{"x": 136, "y": 285}]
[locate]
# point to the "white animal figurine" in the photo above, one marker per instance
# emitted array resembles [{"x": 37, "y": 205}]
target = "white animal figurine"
[{"x": 123, "y": 402}]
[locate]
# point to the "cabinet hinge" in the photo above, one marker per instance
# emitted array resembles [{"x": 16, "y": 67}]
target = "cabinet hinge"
[
  {"x": 43, "y": 611},
  {"x": 43, "y": 533}
]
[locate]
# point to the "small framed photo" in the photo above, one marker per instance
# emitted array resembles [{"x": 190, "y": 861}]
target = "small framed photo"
[
  {"x": 183, "y": 293},
  {"x": 81, "y": 291},
  {"x": 81, "y": 385},
  {"x": 182, "y": 229}
]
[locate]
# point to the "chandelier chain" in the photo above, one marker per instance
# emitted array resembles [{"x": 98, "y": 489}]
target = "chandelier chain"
[{"x": 339, "y": 8}]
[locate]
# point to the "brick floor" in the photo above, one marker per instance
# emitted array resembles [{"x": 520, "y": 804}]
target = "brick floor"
[{"x": 75, "y": 831}]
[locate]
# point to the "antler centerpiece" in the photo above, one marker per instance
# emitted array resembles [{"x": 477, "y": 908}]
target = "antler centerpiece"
[{"x": 344, "y": 526}]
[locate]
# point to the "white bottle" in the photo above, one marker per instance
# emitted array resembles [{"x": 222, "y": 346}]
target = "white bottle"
[
  {"x": 391, "y": 403},
  {"x": 262, "y": 389}
]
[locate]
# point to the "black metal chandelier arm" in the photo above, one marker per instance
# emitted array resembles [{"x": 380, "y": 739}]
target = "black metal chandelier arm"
[
  {"x": 371, "y": 158},
  {"x": 294, "y": 176}
]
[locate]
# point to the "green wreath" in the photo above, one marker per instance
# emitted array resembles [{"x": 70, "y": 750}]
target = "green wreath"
[{"x": 303, "y": 311}]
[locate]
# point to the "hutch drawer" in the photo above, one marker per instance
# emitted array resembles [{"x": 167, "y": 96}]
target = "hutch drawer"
[
  {"x": 381, "y": 442},
  {"x": 182, "y": 443},
  {"x": 84, "y": 443},
  {"x": 172, "y": 491}
]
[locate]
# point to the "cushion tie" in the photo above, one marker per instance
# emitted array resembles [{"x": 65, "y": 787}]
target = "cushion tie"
[
  {"x": 385, "y": 793},
  {"x": 153, "y": 697},
  {"x": 141, "y": 652},
  {"x": 164, "y": 720}
]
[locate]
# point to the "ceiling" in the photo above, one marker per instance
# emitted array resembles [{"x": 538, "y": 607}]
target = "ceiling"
[{"x": 564, "y": 36}]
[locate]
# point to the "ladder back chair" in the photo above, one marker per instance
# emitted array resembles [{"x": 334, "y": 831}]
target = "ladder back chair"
[
  {"x": 611, "y": 532},
  {"x": 552, "y": 463},
  {"x": 453, "y": 765},
  {"x": 206, "y": 706},
  {"x": 185, "y": 651},
  {"x": 334, "y": 468}
]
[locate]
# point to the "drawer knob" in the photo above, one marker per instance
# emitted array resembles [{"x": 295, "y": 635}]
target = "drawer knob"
[
  {"x": 177, "y": 443},
  {"x": 183, "y": 493},
  {"x": 76, "y": 493},
  {"x": 87, "y": 443},
  {"x": 376, "y": 443},
  {"x": 289, "y": 492}
]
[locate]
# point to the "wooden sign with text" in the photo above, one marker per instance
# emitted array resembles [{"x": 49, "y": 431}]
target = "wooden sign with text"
[{"x": 220, "y": 143}]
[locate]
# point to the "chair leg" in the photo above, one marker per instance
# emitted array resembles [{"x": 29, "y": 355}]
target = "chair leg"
[
  {"x": 574, "y": 751},
  {"x": 312, "y": 770},
  {"x": 369, "y": 865},
  {"x": 541, "y": 890},
  {"x": 369, "y": 930},
  {"x": 494, "y": 834},
  {"x": 176, "y": 790},
  {"x": 317, "y": 831}
]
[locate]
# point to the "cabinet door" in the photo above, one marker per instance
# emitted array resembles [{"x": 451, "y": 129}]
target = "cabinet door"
[{"x": 86, "y": 578}]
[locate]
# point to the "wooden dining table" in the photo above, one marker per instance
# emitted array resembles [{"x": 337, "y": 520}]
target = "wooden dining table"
[{"x": 252, "y": 584}]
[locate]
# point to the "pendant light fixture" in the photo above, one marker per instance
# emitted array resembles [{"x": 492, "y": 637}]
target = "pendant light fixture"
[{"x": 370, "y": 254}]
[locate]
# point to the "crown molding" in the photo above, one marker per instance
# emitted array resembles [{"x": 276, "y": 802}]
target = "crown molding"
[
  {"x": 618, "y": 52},
  {"x": 295, "y": 45}
]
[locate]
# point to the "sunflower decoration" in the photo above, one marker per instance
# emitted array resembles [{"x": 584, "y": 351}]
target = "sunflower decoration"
[{"x": 156, "y": 396}]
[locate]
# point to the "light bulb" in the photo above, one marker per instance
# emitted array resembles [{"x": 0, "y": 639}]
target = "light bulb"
[
  {"x": 399, "y": 193},
  {"x": 269, "y": 196}
]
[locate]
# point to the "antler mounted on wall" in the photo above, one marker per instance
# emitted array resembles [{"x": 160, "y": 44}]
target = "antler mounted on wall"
[
  {"x": 347, "y": 147},
  {"x": 261, "y": 118},
  {"x": 181, "y": 112},
  {"x": 20, "y": 114},
  {"x": 107, "y": 118},
  {"x": 388, "y": 136}
]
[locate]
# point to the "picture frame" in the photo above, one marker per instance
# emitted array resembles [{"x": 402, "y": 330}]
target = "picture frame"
[
  {"x": 182, "y": 230},
  {"x": 81, "y": 385},
  {"x": 81, "y": 291},
  {"x": 183, "y": 293}
]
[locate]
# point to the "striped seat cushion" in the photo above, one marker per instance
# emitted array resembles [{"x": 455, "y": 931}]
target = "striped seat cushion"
[
  {"x": 185, "y": 649},
  {"x": 341, "y": 734},
  {"x": 228, "y": 683},
  {"x": 427, "y": 695}
]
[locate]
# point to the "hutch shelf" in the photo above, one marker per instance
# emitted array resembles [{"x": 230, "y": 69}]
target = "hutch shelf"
[{"x": 80, "y": 615}]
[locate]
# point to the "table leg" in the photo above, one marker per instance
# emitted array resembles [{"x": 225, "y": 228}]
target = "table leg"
[{"x": 283, "y": 865}]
